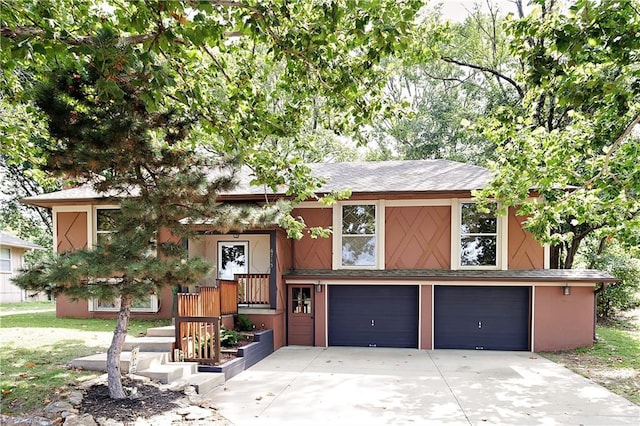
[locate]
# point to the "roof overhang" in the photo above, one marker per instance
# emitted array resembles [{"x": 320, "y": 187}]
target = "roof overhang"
[{"x": 576, "y": 276}]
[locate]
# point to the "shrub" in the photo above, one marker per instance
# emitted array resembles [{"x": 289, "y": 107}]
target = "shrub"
[
  {"x": 229, "y": 338},
  {"x": 243, "y": 323},
  {"x": 621, "y": 296}
]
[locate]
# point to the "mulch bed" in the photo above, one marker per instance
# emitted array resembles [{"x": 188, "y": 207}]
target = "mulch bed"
[{"x": 145, "y": 400}]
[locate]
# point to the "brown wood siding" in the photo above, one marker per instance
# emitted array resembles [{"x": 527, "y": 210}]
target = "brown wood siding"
[
  {"x": 563, "y": 322},
  {"x": 524, "y": 251},
  {"x": 67, "y": 308},
  {"x": 312, "y": 253},
  {"x": 71, "y": 231},
  {"x": 418, "y": 237}
]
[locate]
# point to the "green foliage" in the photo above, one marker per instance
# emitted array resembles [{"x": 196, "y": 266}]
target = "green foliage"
[
  {"x": 243, "y": 323},
  {"x": 228, "y": 337},
  {"x": 459, "y": 83},
  {"x": 624, "y": 264},
  {"x": 571, "y": 138}
]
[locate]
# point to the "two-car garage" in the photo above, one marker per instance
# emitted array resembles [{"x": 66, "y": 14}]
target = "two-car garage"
[{"x": 464, "y": 317}]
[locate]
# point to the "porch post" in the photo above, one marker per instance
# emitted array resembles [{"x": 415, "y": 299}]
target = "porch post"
[{"x": 273, "y": 268}]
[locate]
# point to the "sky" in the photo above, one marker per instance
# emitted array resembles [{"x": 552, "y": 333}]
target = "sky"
[{"x": 457, "y": 10}]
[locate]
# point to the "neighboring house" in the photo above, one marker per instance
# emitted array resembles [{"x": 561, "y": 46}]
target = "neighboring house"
[
  {"x": 411, "y": 263},
  {"x": 12, "y": 251}
]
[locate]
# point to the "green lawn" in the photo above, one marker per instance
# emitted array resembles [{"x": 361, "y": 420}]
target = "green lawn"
[
  {"x": 36, "y": 349},
  {"x": 613, "y": 362},
  {"x": 23, "y": 306},
  {"x": 49, "y": 320}
]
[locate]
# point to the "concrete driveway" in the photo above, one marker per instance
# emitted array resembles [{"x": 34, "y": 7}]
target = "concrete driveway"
[{"x": 354, "y": 386}]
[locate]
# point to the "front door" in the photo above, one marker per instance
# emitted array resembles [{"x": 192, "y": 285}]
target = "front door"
[{"x": 300, "y": 314}]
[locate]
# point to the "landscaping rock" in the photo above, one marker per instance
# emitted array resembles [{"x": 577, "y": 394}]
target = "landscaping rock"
[
  {"x": 82, "y": 420},
  {"x": 24, "y": 421}
]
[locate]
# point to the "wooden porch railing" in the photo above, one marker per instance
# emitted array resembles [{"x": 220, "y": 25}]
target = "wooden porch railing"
[
  {"x": 253, "y": 289},
  {"x": 198, "y": 339},
  {"x": 197, "y": 321}
]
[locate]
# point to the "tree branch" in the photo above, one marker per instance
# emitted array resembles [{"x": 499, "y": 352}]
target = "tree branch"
[
  {"x": 486, "y": 69},
  {"x": 613, "y": 149}
]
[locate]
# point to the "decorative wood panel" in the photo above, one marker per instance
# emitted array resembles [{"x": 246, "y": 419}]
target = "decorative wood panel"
[
  {"x": 524, "y": 251},
  {"x": 418, "y": 237},
  {"x": 71, "y": 231},
  {"x": 312, "y": 253}
]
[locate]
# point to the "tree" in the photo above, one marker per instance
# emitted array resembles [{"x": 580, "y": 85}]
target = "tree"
[
  {"x": 458, "y": 80},
  {"x": 143, "y": 99},
  {"x": 571, "y": 138},
  {"x": 620, "y": 261}
]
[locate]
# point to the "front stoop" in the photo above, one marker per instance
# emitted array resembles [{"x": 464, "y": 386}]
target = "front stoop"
[
  {"x": 150, "y": 344},
  {"x": 154, "y": 362}
]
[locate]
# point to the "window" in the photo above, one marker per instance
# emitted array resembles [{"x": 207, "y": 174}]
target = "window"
[
  {"x": 5, "y": 260},
  {"x": 358, "y": 243},
  {"x": 145, "y": 304},
  {"x": 233, "y": 258},
  {"x": 106, "y": 224},
  {"x": 478, "y": 236}
]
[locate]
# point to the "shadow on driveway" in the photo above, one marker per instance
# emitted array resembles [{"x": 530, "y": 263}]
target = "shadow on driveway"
[{"x": 308, "y": 385}]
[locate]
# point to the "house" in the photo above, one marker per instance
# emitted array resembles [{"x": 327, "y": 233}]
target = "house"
[
  {"x": 12, "y": 251},
  {"x": 411, "y": 263}
]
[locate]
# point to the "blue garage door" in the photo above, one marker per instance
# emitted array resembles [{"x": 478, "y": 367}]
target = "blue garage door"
[
  {"x": 493, "y": 318},
  {"x": 373, "y": 316}
]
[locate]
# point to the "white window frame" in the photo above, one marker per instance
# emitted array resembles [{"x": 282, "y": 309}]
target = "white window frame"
[
  {"x": 94, "y": 304},
  {"x": 379, "y": 233},
  {"x": 456, "y": 237},
  {"x": 95, "y": 221},
  {"x": 3, "y": 260}
]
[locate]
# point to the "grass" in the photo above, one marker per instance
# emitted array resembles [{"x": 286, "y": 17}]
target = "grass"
[
  {"x": 36, "y": 349},
  {"x": 22, "y": 306},
  {"x": 615, "y": 349},
  {"x": 613, "y": 362},
  {"x": 48, "y": 320}
]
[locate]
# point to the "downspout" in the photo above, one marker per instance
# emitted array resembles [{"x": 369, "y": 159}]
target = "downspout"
[{"x": 595, "y": 306}]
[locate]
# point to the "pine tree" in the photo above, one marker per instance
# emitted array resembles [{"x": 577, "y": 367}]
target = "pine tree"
[{"x": 145, "y": 162}]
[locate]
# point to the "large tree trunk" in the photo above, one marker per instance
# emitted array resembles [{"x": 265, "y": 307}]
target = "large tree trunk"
[{"x": 114, "y": 375}]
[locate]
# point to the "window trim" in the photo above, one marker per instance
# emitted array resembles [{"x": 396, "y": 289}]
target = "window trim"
[
  {"x": 94, "y": 237},
  {"x": 93, "y": 303},
  {"x": 10, "y": 270},
  {"x": 456, "y": 237},
  {"x": 379, "y": 233},
  {"x": 94, "y": 306}
]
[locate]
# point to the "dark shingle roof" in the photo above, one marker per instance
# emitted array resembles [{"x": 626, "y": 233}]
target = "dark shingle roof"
[
  {"x": 7, "y": 240},
  {"x": 360, "y": 177},
  {"x": 525, "y": 275}
]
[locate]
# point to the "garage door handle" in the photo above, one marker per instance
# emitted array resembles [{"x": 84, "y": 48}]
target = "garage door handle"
[{"x": 479, "y": 324}]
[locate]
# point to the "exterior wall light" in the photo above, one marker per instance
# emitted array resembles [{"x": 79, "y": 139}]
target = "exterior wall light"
[
  {"x": 566, "y": 290},
  {"x": 318, "y": 288}
]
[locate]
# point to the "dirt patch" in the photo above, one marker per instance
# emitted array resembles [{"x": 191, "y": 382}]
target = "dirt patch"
[{"x": 145, "y": 400}]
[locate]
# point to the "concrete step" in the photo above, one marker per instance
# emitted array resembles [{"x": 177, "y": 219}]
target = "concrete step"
[
  {"x": 170, "y": 372},
  {"x": 167, "y": 331},
  {"x": 149, "y": 344},
  {"x": 98, "y": 362},
  {"x": 204, "y": 382}
]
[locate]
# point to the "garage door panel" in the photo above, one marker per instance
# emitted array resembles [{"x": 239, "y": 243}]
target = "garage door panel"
[
  {"x": 381, "y": 316},
  {"x": 471, "y": 317}
]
